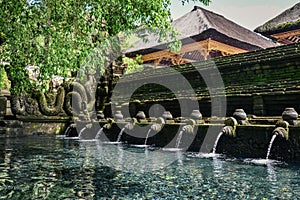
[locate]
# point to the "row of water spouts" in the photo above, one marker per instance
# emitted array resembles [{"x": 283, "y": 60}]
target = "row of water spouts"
[
  {"x": 289, "y": 117},
  {"x": 158, "y": 123},
  {"x": 239, "y": 118}
]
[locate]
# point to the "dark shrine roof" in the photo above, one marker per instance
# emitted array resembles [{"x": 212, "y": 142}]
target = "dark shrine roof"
[
  {"x": 201, "y": 24},
  {"x": 287, "y": 20}
]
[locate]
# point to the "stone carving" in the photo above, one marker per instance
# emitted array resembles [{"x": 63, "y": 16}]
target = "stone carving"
[
  {"x": 90, "y": 87},
  {"x": 239, "y": 114},
  {"x": 75, "y": 97},
  {"x": 31, "y": 105},
  {"x": 196, "y": 115},
  {"x": 72, "y": 98},
  {"x": 81, "y": 98},
  {"x": 118, "y": 116},
  {"x": 158, "y": 124},
  {"x": 102, "y": 93},
  {"x": 18, "y": 104},
  {"x": 70, "y": 107},
  {"x": 56, "y": 108},
  {"x": 282, "y": 129},
  {"x": 167, "y": 115},
  {"x": 38, "y": 104},
  {"x": 230, "y": 126},
  {"x": 290, "y": 115}
]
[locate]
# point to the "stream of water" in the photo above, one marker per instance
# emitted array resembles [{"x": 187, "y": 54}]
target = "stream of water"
[{"x": 270, "y": 146}]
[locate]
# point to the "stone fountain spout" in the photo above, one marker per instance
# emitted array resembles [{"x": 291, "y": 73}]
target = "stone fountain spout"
[
  {"x": 130, "y": 124},
  {"x": 109, "y": 123},
  {"x": 89, "y": 125},
  {"x": 230, "y": 127},
  {"x": 282, "y": 129},
  {"x": 158, "y": 124},
  {"x": 189, "y": 128}
]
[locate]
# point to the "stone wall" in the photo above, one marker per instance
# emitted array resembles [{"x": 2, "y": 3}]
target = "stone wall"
[
  {"x": 250, "y": 142},
  {"x": 261, "y": 82},
  {"x": 24, "y": 126}
]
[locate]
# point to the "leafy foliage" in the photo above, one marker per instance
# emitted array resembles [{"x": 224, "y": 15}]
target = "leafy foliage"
[
  {"x": 133, "y": 65},
  {"x": 4, "y": 83},
  {"x": 58, "y": 36}
]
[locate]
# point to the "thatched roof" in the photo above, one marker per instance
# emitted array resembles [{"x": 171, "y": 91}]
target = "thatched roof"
[
  {"x": 200, "y": 24},
  {"x": 288, "y": 20}
]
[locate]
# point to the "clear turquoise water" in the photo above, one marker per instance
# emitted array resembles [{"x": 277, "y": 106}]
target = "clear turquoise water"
[{"x": 43, "y": 167}]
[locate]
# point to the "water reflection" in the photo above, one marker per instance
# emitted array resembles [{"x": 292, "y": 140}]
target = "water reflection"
[
  {"x": 52, "y": 168},
  {"x": 41, "y": 189},
  {"x": 272, "y": 178},
  {"x": 134, "y": 160},
  {"x": 5, "y": 167},
  {"x": 120, "y": 154},
  {"x": 217, "y": 166},
  {"x": 179, "y": 156},
  {"x": 87, "y": 188}
]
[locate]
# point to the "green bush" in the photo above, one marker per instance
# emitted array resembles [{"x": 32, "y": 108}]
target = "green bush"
[
  {"x": 133, "y": 65},
  {"x": 4, "y": 82}
]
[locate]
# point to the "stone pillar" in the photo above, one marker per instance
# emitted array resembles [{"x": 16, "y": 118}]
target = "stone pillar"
[{"x": 258, "y": 105}]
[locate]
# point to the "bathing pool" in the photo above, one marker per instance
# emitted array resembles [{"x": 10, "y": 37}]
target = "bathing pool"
[{"x": 51, "y": 167}]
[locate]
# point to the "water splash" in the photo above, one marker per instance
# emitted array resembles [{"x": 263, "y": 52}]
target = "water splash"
[
  {"x": 178, "y": 140},
  {"x": 179, "y": 156},
  {"x": 120, "y": 135},
  {"x": 146, "y": 139},
  {"x": 81, "y": 131},
  {"x": 270, "y": 146},
  {"x": 99, "y": 133},
  {"x": 216, "y": 142}
]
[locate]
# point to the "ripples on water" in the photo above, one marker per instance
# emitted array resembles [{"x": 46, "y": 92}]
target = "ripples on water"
[{"x": 43, "y": 167}]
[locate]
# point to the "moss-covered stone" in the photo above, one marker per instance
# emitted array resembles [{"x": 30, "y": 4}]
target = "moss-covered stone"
[{"x": 265, "y": 72}]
